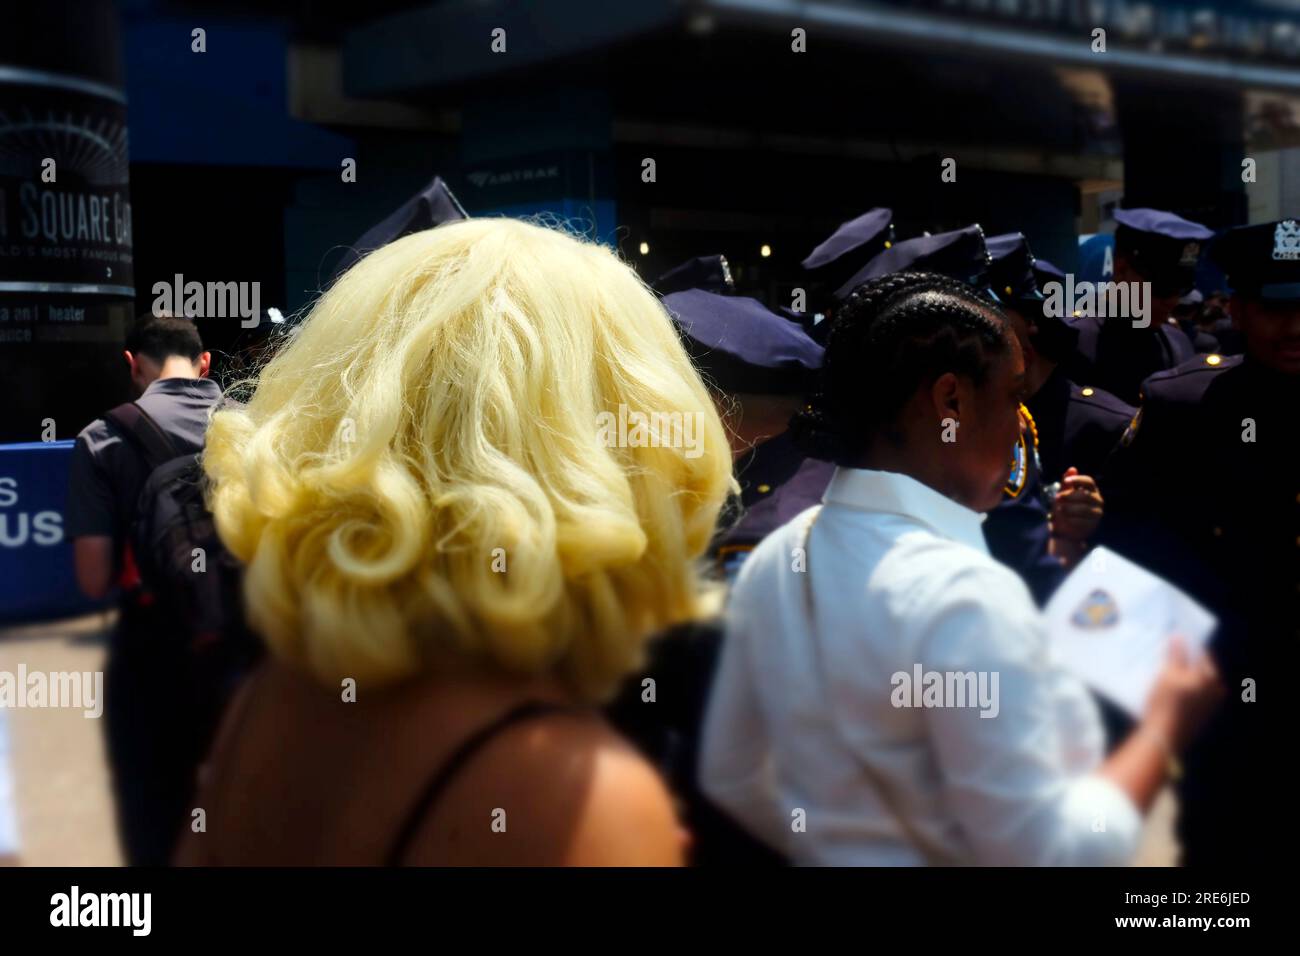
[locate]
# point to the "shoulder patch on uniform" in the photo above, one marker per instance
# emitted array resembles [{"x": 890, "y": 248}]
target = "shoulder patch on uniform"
[
  {"x": 1020, "y": 455},
  {"x": 1019, "y": 470}
]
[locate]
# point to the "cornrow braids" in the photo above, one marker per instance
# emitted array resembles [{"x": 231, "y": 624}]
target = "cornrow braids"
[{"x": 891, "y": 335}]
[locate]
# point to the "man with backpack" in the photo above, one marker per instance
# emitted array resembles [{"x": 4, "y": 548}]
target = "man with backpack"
[{"x": 155, "y": 728}]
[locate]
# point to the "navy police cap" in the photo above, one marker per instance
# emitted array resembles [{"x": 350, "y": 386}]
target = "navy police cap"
[
  {"x": 711, "y": 273},
  {"x": 1158, "y": 222},
  {"x": 1262, "y": 261},
  {"x": 431, "y": 206},
  {"x": 1016, "y": 279},
  {"x": 1011, "y": 268},
  {"x": 1045, "y": 272},
  {"x": 960, "y": 254},
  {"x": 1164, "y": 247},
  {"x": 871, "y": 232},
  {"x": 743, "y": 346}
]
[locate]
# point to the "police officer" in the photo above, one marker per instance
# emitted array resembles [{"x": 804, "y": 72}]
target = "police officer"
[
  {"x": 1076, "y": 428},
  {"x": 1186, "y": 314},
  {"x": 1078, "y": 425},
  {"x": 835, "y": 260},
  {"x": 1214, "y": 320},
  {"x": 1156, "y": 247},
  {"x": 760, "y": 365},
  {"x": 1208, "y": 325},
  {"x": 1204, "y": 491},
  {"x": 763, "y": 365},
  {"x": 148, "y": 752}
]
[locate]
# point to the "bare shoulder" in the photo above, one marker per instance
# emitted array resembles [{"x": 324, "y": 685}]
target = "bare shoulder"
[{"x": 557, "y": 790}]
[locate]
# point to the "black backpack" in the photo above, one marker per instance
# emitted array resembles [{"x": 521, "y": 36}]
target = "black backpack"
[
  {"x": 186, "y": 573},
  {"x": 668, "y": 733}
]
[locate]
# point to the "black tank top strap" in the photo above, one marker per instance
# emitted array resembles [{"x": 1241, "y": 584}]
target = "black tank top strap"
[{"x": 442, "y": 778}]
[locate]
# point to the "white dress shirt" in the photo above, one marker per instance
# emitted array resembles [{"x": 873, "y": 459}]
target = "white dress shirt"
[{"x": 900, "y": 576}]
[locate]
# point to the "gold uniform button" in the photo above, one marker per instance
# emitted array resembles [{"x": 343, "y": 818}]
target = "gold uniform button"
[
  {"x": 764, "y": 489},
  {"x": 1213, "y": 359},
  {"x": 1087, "y": 392}
]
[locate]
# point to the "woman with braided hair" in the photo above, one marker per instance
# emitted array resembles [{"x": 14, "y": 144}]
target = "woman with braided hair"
[{"x": 884, "y": 695}]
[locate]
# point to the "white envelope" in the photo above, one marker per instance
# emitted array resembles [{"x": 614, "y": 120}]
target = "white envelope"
[{"x": 1110, "y": 623}]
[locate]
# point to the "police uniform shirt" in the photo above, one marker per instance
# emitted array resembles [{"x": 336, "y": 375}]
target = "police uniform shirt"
[
  {"x": 1205, "y": 493},
  {"x": 768, "y": 465},
  {"x": 1078, "y": 425},
  {"x": 1204, "y": 488},
  {"x": 1118, "y": 358},
  {"x": 774, "y": 498},
  {"x": 108, "y": 469}
]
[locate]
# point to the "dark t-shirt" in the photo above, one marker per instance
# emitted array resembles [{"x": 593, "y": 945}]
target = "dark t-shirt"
[{"x": 108, "y": 470}]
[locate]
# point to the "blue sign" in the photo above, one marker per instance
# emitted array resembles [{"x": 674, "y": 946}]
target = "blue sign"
[
  {"x": 1096, "y": 258},
  {"x": 37, "y": 580}
]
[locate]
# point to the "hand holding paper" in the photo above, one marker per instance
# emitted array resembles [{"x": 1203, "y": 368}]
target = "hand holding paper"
[{"x": 1111, "y": 621}]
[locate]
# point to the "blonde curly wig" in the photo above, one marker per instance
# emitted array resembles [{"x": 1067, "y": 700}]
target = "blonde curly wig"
[{"x": 420, "y": 473}]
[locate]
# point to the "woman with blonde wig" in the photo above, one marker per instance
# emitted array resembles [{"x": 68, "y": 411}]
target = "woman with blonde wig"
[{"x": 451, "y": 557}]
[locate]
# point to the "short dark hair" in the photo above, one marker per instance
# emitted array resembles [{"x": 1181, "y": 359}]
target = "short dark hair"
[
  {"x": 162, "y": 336},
  {"x": 890, "y": 336}
]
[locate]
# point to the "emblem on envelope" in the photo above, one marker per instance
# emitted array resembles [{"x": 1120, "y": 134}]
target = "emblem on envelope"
[{"x": 1098, "y": 610}]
